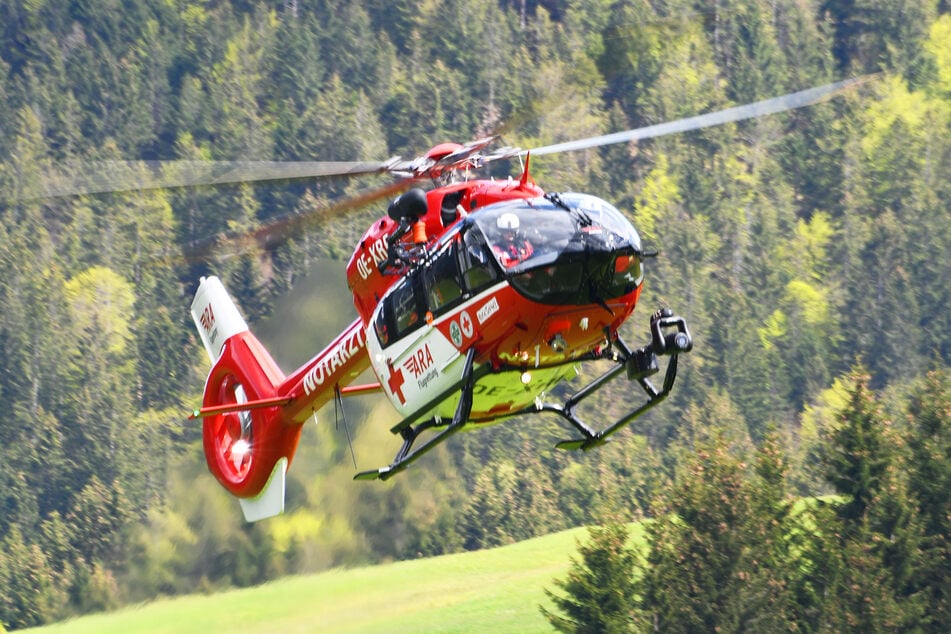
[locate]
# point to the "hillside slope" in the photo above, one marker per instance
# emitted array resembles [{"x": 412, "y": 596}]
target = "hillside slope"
[{"x": 497, "y": 590}]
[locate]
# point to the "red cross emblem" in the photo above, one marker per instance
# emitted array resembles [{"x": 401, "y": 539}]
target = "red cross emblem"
[{"x": 395, "y": 383}]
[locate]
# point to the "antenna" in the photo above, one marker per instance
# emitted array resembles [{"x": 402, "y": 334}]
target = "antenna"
[
  {"x": 338, "y": 406},
  {"x": 525, "y": 177}
]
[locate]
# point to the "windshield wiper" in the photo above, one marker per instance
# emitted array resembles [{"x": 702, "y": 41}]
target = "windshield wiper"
[
  {"x": 595, "y": 296},
  {"x": 556, "y": 200},
  {"x": 583, "y": 219}
]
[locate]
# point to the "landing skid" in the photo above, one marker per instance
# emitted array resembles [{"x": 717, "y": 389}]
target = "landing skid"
[
  {"x": 409, "y": 433},
  {"x": 669, "y": 337},
  {"x": 639, "y": 365}
]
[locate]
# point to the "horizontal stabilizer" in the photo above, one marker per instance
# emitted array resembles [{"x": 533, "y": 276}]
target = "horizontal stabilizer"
[{"x": 244, "y": 406}]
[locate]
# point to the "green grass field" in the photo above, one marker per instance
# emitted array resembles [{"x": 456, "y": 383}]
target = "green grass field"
[{"x": 496, "y": 590}]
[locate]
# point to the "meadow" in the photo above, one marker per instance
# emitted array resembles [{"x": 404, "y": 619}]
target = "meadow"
[{"x": 496, "y": 590}]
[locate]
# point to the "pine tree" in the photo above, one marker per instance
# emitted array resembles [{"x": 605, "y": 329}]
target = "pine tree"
[
  {"x": 930, "y": 484},
  {"x": 696, "y": 563},
  {"x": 725, "y": 551},
  {"x": 599, "y": 591},
  {"x": 26, "y": 578},
  {"x": 872, "y": 536},
  {"x": 858, "y": 453},
  {"x": 773, "y": 596}
]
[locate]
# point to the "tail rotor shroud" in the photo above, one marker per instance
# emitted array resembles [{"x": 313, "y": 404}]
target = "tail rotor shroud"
[{"x": 247, "y": 444}]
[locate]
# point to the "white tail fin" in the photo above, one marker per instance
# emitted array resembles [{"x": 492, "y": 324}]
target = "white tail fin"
[
  {"x": 216, "y": 316},
  {"x": 247, "y": 450}
]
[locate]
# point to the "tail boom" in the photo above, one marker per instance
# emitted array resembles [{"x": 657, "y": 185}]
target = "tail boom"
[
  {"x": 337, "y": 365},
  {"x": 252, "y": 414}
]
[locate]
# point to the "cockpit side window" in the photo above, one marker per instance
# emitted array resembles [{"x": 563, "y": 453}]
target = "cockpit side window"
[
  {"x": 382, "y": 327},
  {"x": 478, "y": 271},
  {"x": 627, "y": 275},
  {"x": 401, "y": 312}
]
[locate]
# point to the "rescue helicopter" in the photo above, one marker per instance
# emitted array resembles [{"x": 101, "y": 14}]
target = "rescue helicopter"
[{"x": 474, "y": 299}]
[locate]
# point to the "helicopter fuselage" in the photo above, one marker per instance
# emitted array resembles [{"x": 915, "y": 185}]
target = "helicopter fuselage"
[
  {"x": 529, "y": 319},
  {"x": 457, "y": 318},
  {"x": 510, "y": 312}
]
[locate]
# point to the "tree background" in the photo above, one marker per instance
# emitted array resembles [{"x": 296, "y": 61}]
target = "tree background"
[{"x": 796, "y": 246}]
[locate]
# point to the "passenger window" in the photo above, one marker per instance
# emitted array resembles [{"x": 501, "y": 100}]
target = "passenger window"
[
  {"x": 382, "y": 330},
  {"x": 442, "y": 280},
  {"x": 401, "y": 312},
  {"x": 405, "y": 307}
]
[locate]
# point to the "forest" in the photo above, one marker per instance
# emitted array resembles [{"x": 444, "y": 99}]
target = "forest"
[{"x": 797, "y": 478}]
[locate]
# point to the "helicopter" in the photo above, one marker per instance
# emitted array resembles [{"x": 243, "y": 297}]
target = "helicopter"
[{"x": 474, "y": 299}]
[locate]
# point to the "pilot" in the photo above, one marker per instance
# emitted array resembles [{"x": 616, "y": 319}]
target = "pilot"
[{"x": 511, "y": 246}]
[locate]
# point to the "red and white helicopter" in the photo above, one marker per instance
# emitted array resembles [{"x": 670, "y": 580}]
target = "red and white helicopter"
[
  {"x": 474, "y": 300},
  {"x": 458, "y": 329}
]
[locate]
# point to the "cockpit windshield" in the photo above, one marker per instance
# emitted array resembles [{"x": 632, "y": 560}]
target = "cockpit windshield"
[
  {"x": 528, "y": 233},
  {"x": 569, "y": 249}
]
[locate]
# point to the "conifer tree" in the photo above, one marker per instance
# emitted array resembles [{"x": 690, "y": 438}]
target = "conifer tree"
[
  {"x": 695, "y": 562},
  {"x": 724, "y": 552},
  {"x": 872, "y": 537},
  {"x": 599, "y": 589},
  {"x": 26, "y": 579},
  {"x": 858, "y": 453},
  {"x": 930, "y": 483}
]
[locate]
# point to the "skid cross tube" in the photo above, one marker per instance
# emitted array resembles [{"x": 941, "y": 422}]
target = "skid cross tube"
[
  {"x": 409, "y": 433},
  {"x": 594, "y": 439},
  {"x": 639, "y": 364}
]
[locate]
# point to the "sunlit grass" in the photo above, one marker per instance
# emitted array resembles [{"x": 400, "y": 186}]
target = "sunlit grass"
[{"x": 497, "y": 590}]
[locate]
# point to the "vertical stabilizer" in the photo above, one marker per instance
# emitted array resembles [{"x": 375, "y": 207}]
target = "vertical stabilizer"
[{"x": 216, "y": 316}]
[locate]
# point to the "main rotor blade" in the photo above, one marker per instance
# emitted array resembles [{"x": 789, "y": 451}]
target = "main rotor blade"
[
  {"x": 789, "y": 101},
  {"x": 101, "y": 177},
  {"x": 280, "y": 230}
]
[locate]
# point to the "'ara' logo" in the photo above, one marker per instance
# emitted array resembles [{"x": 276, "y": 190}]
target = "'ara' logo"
[
  {"x": 419, "y": 361},
  {"x": 207, "y": 318}
]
